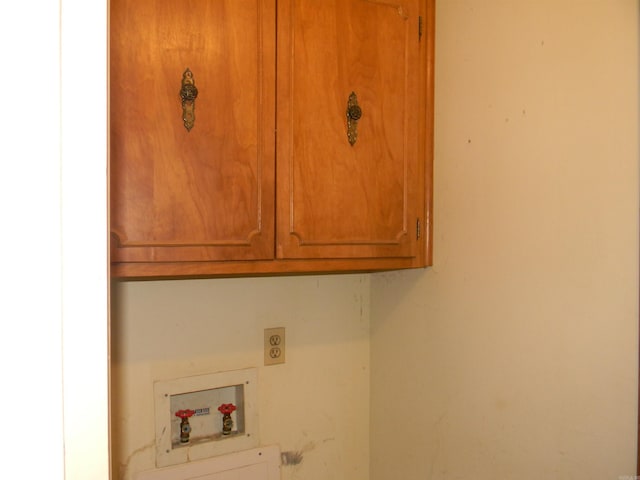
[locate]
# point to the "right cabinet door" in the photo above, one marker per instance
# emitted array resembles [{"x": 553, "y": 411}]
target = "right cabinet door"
[{"x": 350, "y": 183}]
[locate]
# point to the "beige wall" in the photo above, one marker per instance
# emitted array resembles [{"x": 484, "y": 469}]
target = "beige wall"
[
  {"x": 515, "y": 355},
  {"x": 316, "y": 404}
]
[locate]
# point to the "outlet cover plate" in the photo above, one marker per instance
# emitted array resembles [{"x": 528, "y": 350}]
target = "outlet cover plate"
[{"x": 274, "y": 346}]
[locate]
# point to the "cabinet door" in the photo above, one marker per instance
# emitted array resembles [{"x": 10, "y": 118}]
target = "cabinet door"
[
  {"x": 204, "y": 194},
  {"x": 336, "y": 199}
]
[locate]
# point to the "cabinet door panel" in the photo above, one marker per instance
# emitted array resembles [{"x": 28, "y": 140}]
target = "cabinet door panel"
[
  {"x": 206, "y": 194},
  {"x": 334, "y": 199}
]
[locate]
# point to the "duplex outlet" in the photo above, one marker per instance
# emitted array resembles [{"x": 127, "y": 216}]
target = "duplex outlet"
[{"x": 274, "y": 346}]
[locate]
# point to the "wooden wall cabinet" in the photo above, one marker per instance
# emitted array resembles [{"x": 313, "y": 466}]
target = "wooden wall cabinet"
[{"x": 268, "y": 180}]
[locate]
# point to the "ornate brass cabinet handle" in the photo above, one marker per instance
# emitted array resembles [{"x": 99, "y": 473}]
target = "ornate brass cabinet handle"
[
  {"x": 354, "y": 112},
  {"x": 188, "y": 94}
]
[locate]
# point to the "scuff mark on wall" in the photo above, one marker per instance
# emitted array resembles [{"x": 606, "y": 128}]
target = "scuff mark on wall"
[
  {"x": 437, "y": 448},
  {"x": 124, "y": 466},
  {"x": 292, "y": 458},
  {"x": 295, "y": 457}
]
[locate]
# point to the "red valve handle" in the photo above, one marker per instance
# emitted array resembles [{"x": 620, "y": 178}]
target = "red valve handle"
[
  {"x": 185, "y": 413},
  {"x": 226, "y": 408}
]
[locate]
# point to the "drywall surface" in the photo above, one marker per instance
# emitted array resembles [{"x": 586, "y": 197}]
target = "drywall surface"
[
  {"x": 515, "y": 355},
  {"x": 315, "y": 406}
]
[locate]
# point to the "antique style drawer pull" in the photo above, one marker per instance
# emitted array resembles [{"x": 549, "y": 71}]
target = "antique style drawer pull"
[
  {"x": 354, "y": 113},
  {"x": 188, "y": 94}
]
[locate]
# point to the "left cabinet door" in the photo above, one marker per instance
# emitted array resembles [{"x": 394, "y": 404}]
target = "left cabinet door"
[{"x": 204, "y": 194}]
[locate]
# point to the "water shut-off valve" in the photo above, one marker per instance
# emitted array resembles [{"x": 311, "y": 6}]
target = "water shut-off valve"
[
  {"x": 185, "y": 428},
  {"x": 226, "y": 409}
]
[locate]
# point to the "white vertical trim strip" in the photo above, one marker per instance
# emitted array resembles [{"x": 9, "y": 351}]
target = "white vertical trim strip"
[{"x": 84, "y": 238}]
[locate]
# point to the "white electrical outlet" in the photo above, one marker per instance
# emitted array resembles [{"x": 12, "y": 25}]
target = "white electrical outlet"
[{"x": 274, "y": 346}]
